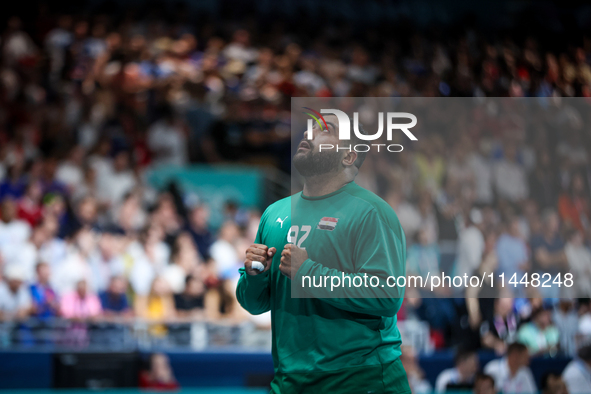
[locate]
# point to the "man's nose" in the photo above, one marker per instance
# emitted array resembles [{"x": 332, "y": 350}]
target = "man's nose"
[{"x": 310, "y": 133}]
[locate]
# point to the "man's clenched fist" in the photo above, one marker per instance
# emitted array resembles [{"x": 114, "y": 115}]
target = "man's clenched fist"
[
  {"x": 260, "y": 253},
  {"x": 292, "y": 258}
]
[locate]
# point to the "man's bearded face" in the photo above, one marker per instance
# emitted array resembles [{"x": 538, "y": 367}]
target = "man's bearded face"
[{"x": 309, "y": 161}]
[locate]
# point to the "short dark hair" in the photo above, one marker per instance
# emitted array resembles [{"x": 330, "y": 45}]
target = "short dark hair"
[
  {"x": 463, "y": 354},
  {"x": 485, "y": 377},
  {"x": 546, "y": 379},
  {"x": 516, "y": 347}
]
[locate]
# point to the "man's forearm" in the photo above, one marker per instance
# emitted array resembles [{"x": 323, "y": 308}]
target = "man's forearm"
[
  {"x": 253, "y": 292},
  {"x": 378, "y": 300}
]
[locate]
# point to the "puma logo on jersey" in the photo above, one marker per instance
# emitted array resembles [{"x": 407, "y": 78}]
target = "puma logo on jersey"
[{"x": 281, "y": 221}]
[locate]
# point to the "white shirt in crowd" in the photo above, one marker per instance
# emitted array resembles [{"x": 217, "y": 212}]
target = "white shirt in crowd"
[
  {"x": 577, "y": 376},
  {"x": 25, "y": 256},
  {"x": 103, "y": 270},
  {"x": 145, "y": 268},
  {"x": 510, "y": 180},
  {"x": 70, "y": 174},
  {"x": 10, "y": 302},
  {"x": 169, "y": 143},
  {"x": 175, "y": 276},
  {"x": 69, "y": 272},
  {"x": 116, "y": 186},
  {"x": 14, "y": 237},
  {"x": 521, "y": 383},
  {"x": 225, "y": 257},
  {"x": 15, "y": 232},
  {"x": 447, "y": 376},
  {"x": 579, "y": 261},
  {"x": 470, "y": 249},
  {"x": 482, "y": 171},
  {"x": 409, "y": 218}
]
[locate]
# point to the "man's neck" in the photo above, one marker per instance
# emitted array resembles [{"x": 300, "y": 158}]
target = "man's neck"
[
  {"x": 321, "y": 185},
  {"x": 513, "y": 369}
]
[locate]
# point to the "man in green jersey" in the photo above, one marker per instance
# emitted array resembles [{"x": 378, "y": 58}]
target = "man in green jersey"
[{"x": 335, "y": 340}]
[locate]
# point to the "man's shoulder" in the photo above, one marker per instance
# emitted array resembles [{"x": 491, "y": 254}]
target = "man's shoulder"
[
  {"x": 278, "y": 208},
  {"x": 373, "y": 202},
  {"x": 572, "y": 369},
  {"x": 494, "y": 366},
  {"x": 279, "y": 205},
  {"x": 524, "y": 373},
  {"x": 446, "y": 375}
]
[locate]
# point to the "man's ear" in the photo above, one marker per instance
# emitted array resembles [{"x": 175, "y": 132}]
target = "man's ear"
[{"x": 349, "y": 158}]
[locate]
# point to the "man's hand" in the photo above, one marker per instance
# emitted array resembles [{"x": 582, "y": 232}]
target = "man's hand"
[
  {"x": 292, "y": 258},
  {"x": 261, "y": 253}
]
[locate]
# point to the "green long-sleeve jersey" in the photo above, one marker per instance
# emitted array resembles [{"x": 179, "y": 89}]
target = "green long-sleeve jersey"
[{"x": 349, "y": 232}]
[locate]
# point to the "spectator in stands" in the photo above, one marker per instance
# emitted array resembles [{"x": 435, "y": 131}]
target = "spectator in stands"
[
  {"x": 198, "y": 227},
  {"x": 81, "y": 304},
  {"x": 184, "y": 261},
  {"x": 156, "y": 307},
  {"x": 84, "y": 214},
  {"x": 423, "y": 259},
  {"x": 114, "y": 298},
  {"x": 463, "y": 373},
  {"x": 548, "y": 252},
  {"x": 14, "y": 184},
  {"x": 566, "y": 319},
  {"x": 15, "y": 299},
  {"x": 499, "y": 328},
  {"x": 511, "y": 373},
  {"x": 191, "y": 302},
  {"x": 129, "y": 216},
  {"x": 428, "y": 219},
  {"x": 539, "y": 335},
  {"x": 423, "y": 256},
  {"x": 105, "y": 261},
  {"x": 484, "y": 384},
  {"x": 407, "y": 213},
  {"x": 577, "y": 374},
  {"x": 584, "y": 311},
  {"x": 448, "y": 206},
  {"x": 223, "y": 251},
  {"x": 160, "y": 376},
  {"x": 70, "y": 171},
  {"x": 150, "y": 255},
  {"x": 13, "y": 232},
  {"x": 578, "y": 257},
  {"x": 73, "y": 265},
  {"x": 543, "y": 180},
  {"x": 512, "y": 253},
  {"x": 552, "y": 383},
  {"x": 29, "y": 206},
  {"x": 45, "y": 302},
  {"x": 430, "y": 165},
  {"x": 117, "y": 182},
  {"x": 167, "y": 139},
  {"x": 573, "y": 205},
  {"x": 18, "y": 47},
  {"x": 167, "y": 217},
  {"x": 470, "y": 245},
  {"x": 416, "y": 376},
  {"x": 26, "y": 254},
  {"x": 509, "y": 176}
]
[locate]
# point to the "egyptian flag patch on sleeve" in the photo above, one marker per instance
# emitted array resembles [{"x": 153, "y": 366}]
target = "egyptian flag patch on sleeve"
[{"x": 327, "y": 223}]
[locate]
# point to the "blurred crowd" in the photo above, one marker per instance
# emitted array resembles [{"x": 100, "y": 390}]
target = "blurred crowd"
[
  {"x": 89, "y": 104},
  {"x": 509, "y": 374}
]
